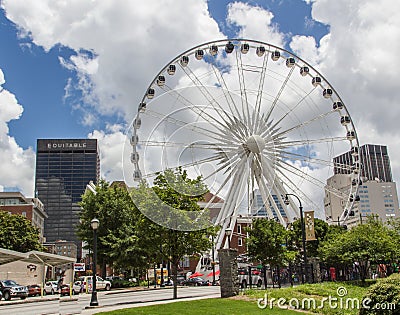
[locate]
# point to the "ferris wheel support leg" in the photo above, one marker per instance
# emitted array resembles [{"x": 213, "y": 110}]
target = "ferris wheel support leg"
[{"x": 278, "y": 189}]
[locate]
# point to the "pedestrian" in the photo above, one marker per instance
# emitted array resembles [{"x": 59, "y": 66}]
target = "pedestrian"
[{"x": 59, "y": 283}]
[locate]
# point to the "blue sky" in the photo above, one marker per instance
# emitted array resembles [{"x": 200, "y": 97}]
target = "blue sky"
[
  {"x": 38, "y": 79},
  {"x": 74, "y": 69}
]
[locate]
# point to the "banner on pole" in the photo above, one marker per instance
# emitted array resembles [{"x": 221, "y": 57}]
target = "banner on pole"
[{"x": 309, "y": 225}]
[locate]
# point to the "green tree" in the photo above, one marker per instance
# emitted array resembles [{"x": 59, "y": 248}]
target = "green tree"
[
  {"x": 267, "y": 242},
  {"x": 118, "y": 242},
  {"x": 295, "y": 235},
  {"x": 17, "y": 233},
  {"x": 172, "y": 204},
  {"x": 364, "y": 244}
]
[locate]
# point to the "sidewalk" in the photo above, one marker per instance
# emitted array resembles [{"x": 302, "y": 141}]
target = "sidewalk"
[{"x": 99, "y": 309}]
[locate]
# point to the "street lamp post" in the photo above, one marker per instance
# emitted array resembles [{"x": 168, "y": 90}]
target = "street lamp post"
[
  {"x": 303, "y": 231},
  {"x": 95, "y": 225},
  {"x": 213, "y": 260},
  {"x": 228, "y": 233}
]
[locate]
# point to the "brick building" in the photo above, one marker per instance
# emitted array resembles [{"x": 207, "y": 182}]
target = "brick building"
[{"x": 31, "y": 208}]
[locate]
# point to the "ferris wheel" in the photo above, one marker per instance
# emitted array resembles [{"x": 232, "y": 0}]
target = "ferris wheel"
[{"x": 255, "y": 121}]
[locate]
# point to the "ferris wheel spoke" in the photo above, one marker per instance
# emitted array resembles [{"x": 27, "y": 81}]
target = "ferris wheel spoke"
[
  {"x": 304, "y": 158},
  {"x": 265, "y": 194},
  {"x": 228, "y": 164},
  {"x": 200, "y": 162},
  {"x": 279, "y": 93},
  {"x": 195, "y": 108},
  {"x": 285, "y": 144},
  {"x": 311, "y": 179},
  {"x": 243, "y": 93},
  {"x": 294, "y": 188},
  {"x": 303, "y": 124},
  {"x": 207, "y": 95},
  {"x": 232, "y": 203},
  {"x": 277, "y": 188},
  {"x": 292, "y": 109},
  {"x": 300, "y": 173},
  {"x": 228, "y": 207},
  {"x": 203, "y": 146},
  {"x": 257, "y": 112},
  {"x": 222, "y": 186},
  {"x": 176, "y": 122},
  {"x": 227, "y": 94}
]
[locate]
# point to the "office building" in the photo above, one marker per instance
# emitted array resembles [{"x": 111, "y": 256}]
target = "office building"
[
  {"x": 259, "y": 208},
  {"x": 63, "y": 169},
  {"x": 31, "y": 208},
  {"x": 373, "y": 160},
  {"x": 377, "y": 193},
  {"x": 379, "y": 198}
]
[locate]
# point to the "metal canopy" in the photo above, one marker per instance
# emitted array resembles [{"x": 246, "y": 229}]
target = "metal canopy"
[
  {"x": 36, "y": 257},
  {"x": 7, "y": 256}
]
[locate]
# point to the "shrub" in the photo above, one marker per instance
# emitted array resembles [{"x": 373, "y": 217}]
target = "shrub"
[
  {"x": 384, "y": 297},
  {"x": 119, "y": 283}
]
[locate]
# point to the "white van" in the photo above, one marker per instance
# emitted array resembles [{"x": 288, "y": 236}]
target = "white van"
[{"x": 101, "y": 284}]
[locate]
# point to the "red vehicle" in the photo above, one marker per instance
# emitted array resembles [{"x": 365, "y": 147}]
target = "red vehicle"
[
  {"x": 65, "y": 289},
  {"x": 34, "y": 290}
]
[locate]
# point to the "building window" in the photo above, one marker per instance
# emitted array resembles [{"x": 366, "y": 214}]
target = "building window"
[
  {"x": 239, "y": 229},
  {"x": 23, "y": 213},
  {"x": 240, "y": 241}
]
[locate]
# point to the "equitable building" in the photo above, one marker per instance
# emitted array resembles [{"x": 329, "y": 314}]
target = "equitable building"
[{"x": 63, "y": 169}]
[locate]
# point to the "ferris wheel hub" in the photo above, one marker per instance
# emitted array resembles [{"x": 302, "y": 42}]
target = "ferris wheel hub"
[{"x": 255, "y": 144}]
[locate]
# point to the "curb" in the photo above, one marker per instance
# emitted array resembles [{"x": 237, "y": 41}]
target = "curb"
[{"x": 34, "y": 300}]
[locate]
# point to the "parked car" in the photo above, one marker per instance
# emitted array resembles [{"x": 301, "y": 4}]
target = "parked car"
[
  {"x": 244, "y": 278},
  {"x": 50, "y": 287},
  {"x": 180, "y": 280},
  {"x": 34, "y": 290},
  {"x": 65, "y": 289},
  {"x": 10, "y": 289},
  {"x": 113, "y": 278},
  {"x": 101, "y": 284},
  {"x": 196, "y": 281}
]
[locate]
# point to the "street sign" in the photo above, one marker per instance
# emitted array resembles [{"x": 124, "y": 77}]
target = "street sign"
[{"x": 79, "y": 266}]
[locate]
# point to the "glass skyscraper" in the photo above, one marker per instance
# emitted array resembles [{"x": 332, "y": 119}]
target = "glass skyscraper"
[
  {"x": 374, "y": 162},
  {"x": 63, "y": 169}
]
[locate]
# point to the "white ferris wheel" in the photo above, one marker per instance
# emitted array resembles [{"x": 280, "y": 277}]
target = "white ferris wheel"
[{"x": 254, "y": 120}]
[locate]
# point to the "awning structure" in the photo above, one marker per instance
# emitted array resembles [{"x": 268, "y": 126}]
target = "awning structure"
[
  {"x": 35, "y": 257},
  {"x": 7, "y": 256},
  {"x": 48, "y": 259}
]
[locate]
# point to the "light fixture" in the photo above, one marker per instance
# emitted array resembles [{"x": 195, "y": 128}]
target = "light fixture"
[{"x": 95, "y": 224}]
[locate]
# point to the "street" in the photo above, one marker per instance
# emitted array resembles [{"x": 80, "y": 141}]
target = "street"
[{"x": 108, "y": 301}]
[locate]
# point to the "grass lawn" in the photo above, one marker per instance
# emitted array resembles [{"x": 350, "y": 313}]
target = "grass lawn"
[
  {"x": 201, "y": 307},
  {"x": 349, "y": 293},
  {"x": 246, "y": 303}
]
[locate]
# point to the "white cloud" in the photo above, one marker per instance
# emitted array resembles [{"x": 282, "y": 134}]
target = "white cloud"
[
  {"x": 358, "y": 58},
  {"x": 16, "y": 164},
  {"x": 255, "y": 23},
  {"x": 121, "y": 45},
  {"x": 130, "y": 41},
  {"x": 111, "y": 143}
]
